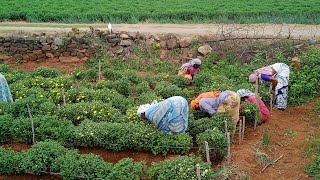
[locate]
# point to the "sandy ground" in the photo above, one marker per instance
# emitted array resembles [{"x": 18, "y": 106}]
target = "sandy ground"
[{"x": 296, "y": 31}]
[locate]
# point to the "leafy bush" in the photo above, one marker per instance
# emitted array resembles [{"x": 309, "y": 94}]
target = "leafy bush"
[
  {"x": 164, "y": 144},
  {"x": 314, "y": 168},
  {"x": 127, "y": 169},
  {"x": 5, "y": 128},
  {"x": 92, "y": 75},
  {"x": 143, "y": 87},
  {"x": 148, "y": 97},
  {"x": 42, "y": 156},
  {"x": 74, "y": 165},
  {"x": 45, "y": 72},
  {"x": 167, "y": 90},
  {"x": 10, "y": 161},
  {"x": 217, "y": 142},
  {"x": 112, "y": 74},
  {"x": 217, "y": 121},
  {"x": 95, "y": 111},
  {"x": 182, "y": 167},
  {"x": 250, "y": 111}
]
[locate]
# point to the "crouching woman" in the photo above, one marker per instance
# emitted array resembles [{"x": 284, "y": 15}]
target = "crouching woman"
[{"x": 170, "y": 115}]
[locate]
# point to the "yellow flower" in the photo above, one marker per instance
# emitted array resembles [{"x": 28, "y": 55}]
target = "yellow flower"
[
  {"x": 78, "y": 117},
  {"x": 247, "y": 110}
]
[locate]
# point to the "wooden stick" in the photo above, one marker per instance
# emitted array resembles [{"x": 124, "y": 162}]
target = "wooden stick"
[
  {"x": 271, "y": 163},
  {"x": 271, "y": 98},
  {"x": 229, "y": 149},
  {"x": 206, "y": 146},
  {"x": 257, "y": 100},
  {"x": 240, "y": 130},
  {"x": 226, "y": 128},
  {"x": 99, "y": 73},
  {"x": 63, "y": 97},
  {"x": 198, "y": 171},
  {"x": 243, "y": 126},
  {"x": 32, "y": 126}
]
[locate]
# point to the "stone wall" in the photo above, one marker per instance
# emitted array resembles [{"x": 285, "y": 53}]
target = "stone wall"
[{"x": 77, "y": 46}]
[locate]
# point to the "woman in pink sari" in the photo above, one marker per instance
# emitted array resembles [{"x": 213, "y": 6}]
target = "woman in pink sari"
[
  {"x": 278, "y": 75},
  {"x": 190, "y": 69}
]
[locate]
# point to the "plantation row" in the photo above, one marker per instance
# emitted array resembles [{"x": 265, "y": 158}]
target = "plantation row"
[
  {"x": 51, "y": 157},
  {"x": 234, "y": 11}
]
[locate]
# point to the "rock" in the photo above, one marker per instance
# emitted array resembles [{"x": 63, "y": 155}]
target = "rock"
[
  {"x": 132, "y": 35},
  {"x": 54, "y": 47},
  {"x": 188, "y": 52},
  {"x": 57, "y": 41},
  {"x": 50, "y": 40},
  {"x": 172, "y": 44},
  {"x": 46, "y": 47},
  {"x": 80, "y": 55},
  {"x": 66, "y": 53},
  {"x": 204, "y": 50},
  {"x": 69, "y": 59},
  {"x": 81, "y": 50},
  {"x": 4, "y": 57},
  {"x": 149, "y": 43},
  {"x": 164, "y": 54},
  {"x": 56, "y": 54},
  {"x": 43, "y": 39},
  {"x": 32, "y": 56},
  {"x": 49, "y": 55},
  {"x": 37, "y": 52},
  {"x": 7, "y": 44},
  {"x": 185, "y": 42},
  {"x": 26, "y": 57},
  {"x": 41, "y": 56},
  {"x": 163, "y": 45},
  {"x": 125, "y": 43},
  {"x": 118, "y": 50},
  {"x": 124, "y": 36},
  {"x": 111, "y": 36},
  {"x": 13, "y": 49},
  {"x": 114, "y": 40},
  {"x": 18, "y": 56},
  {"x": 168, "y": 36},
  {"x": 296, "y": 62}
]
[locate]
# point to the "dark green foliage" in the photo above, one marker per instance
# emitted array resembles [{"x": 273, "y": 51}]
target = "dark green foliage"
[
  {"x": 314, "y": 168},
  {"x": 74, "y": 165},
  {"x": 45, "y": 72},
  {"x": 112, "y": 74},
  {"x": 148, "y": 97},
  {"x": 183, "y": 167},
  {"x": 5, "y": 127},
  {"x": 217, "y": 121},
  {"x": 143, "y": 87},
  {"x": 42, "y": 156},
  {"x": 250, "y": 111},
  {"x": 10, "y": 161},
  {"x": 217, "y": 142},
  {"x": 127, "y": 169}
]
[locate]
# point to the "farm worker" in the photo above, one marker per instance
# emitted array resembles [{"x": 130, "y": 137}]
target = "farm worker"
[
  {"x": 5, "y": 94},
  {"x": 215, "y": 101},
  {"x": 190, "y": 69},
  {"x": 170, "y": 115},
  {"x": 248, "y": 96},
  {"x": 278, "y": 75}
]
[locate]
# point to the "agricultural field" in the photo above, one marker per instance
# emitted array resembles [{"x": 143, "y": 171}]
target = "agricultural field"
[
  {"x": 169, "y": 11},
  {"x": 70, "y": 111}
]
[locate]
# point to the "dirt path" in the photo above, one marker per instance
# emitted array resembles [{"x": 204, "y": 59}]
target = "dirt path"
[
  {"x": 300, "y": 120},
  {"x": 297, "y": 31}
]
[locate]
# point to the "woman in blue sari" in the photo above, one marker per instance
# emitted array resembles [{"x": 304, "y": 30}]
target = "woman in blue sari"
[
  {"x": 5, "y": 94},
  {"x": 170, "y": 115}
]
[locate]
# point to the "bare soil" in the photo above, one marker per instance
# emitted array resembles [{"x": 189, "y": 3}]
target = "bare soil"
[{"x": 298, "y": 31}]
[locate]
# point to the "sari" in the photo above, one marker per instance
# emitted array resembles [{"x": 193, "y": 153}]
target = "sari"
[
  {"x": 5, "y": 94},
  {"x": 170, "y": 115}
]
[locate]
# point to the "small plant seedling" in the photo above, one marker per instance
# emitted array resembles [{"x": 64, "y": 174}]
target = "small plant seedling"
[
  {"x": 266, "y": 138},
  {"x": 290, "y": 132}
]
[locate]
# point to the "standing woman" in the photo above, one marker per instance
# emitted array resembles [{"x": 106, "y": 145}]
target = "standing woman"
[
  {"x": 170, "y": 115},
  {"x": 278, "y": 75},
  {"x": 5, "y": 94},
  {"x": 190, "y": 69}
]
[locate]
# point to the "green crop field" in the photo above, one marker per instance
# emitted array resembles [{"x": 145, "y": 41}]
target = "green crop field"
[{"x": 162, "y": 11}]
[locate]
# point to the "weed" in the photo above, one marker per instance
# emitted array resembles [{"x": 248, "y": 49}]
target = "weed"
[
  {"x": 290, "y": 132},
  {"x": 266, "y": 138}
]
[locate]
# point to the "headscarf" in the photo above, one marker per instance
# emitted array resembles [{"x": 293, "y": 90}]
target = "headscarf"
[
  {"x": 253, "y": 77},
  {"x": 142, "y": 109},
  {"x": 191, "y": 63},
  {"x": 245, "y": 93}
]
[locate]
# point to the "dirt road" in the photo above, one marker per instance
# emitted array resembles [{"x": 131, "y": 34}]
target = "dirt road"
[{"x": 297, "y": 31}]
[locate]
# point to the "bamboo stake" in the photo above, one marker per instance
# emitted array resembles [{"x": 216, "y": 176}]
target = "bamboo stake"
[
  {"x": 240, "y": 130},
  {"x": 271, "y": 98},
  {"x": 99, "y": 73},
  {"x": 271, "y": 163},
  {"x": 229, "y": 149},
  {"x": 63, "y": 97},
  {"x": 206, "y": 147},
  {"x": 257, "y": 100},
  {"x": 32, "y": 126},
  {"x": 198, "y": 171},
  {"x": 243, "y": 126},
  {"x": 226, "y": 128}
]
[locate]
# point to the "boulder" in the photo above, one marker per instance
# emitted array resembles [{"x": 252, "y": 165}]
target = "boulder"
[
  {"x": 185, "y": 42},
  {"x": 172, "y": 44},
  {"x": 49, "y": 55},
  {"x": 164, "y": 54},
  {"x": 132, "y": 35},
  {"x": 205, "y": 49},
  {"x": 69, "y": 59},
  {"x": 124, "y": 36},
  {"x": 37, "y": 52},
  {"x": 188, "y": 52},
  {"x": 296, "y": 62},
  {"x": 32, "y": 56},
  {"x": 26, "y": 57},
  {"x": 126, "y": 43},
  {"x": 46, "y": 47},
  {"x": 57, "y": 41},
  {"x": 4, "y": 57}
]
